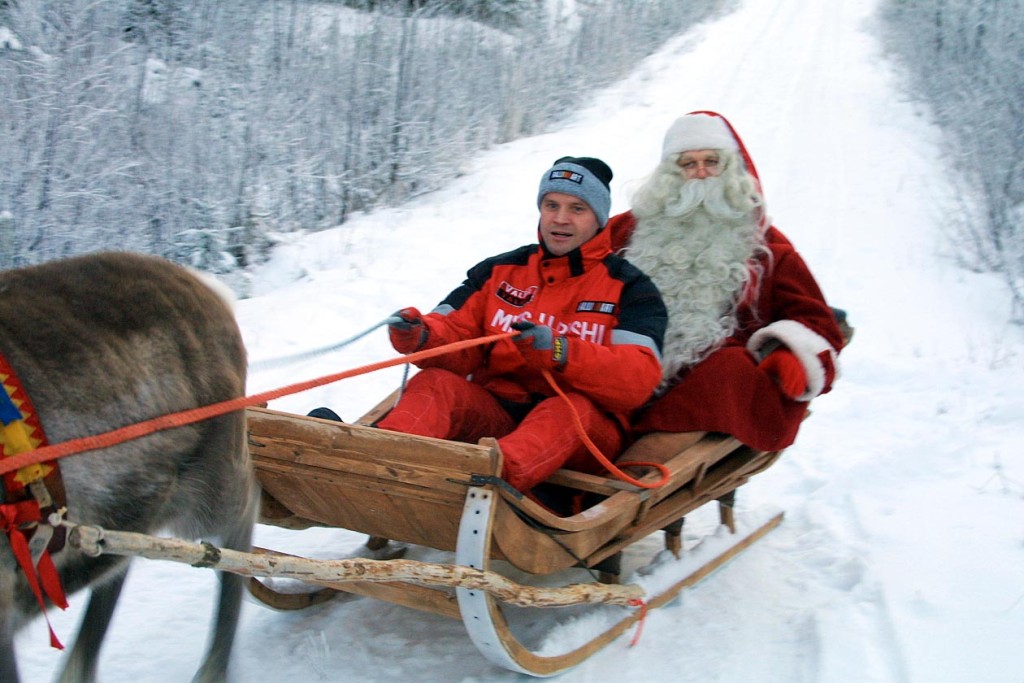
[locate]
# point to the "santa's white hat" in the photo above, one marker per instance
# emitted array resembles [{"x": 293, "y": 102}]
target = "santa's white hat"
[{"x": 698, "y": 131}]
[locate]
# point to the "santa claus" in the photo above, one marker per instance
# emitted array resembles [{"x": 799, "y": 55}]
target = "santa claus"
[{"x": 750, "y": 338}]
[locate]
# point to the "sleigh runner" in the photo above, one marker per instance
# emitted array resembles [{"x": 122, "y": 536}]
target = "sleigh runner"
[{"x": 449, "y": 496}]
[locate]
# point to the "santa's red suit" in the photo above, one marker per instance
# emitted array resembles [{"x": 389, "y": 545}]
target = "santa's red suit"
[{"x": 726, "y": 391}]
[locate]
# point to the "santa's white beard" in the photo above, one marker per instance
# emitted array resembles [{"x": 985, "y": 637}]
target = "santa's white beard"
[
  {"x": 701, "y": 196},
  {"x": 697, "y": 249}
]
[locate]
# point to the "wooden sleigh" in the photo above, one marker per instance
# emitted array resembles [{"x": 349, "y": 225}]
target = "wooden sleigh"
[{"x": 448, "y": 496}]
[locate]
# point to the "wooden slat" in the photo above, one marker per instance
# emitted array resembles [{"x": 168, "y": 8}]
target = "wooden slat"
[
  {"x": 729, "y": 474},
  {"x": 403, "y": 487},
  {"x": 660, "y": 446},
  {"x": 542, "y": 550},
  {"x": 685, "y": 455},
  {"x": 724, "y": 474},
  {"x": 337, "y": 503},
  {"x": 592, "y": 483},
  {"x": 358, "y": 449},
  {"x": 425, "y": 520},
  {"x": 690, "y": 463},
  {"x": 454, "y": 487}
]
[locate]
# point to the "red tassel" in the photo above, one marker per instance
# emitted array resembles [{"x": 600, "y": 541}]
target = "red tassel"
[
  {"x": 50, "y": 579},
  {"x": 12, "y": 515},
  {"x": 642, "y": 604}
]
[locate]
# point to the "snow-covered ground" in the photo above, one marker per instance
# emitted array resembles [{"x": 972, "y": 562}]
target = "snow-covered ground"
[{"x": 901, "y": 558}]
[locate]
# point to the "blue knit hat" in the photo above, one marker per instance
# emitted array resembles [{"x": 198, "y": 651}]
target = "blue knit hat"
[{"x": 584, "y": 177}]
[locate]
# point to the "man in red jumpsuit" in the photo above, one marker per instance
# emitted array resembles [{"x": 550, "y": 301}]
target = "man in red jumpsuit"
[
  {"x": 750, "y": 339},
  {"x": 588, "y": 321}
]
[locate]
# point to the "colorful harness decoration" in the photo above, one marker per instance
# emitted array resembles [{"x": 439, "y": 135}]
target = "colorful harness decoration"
[{"x": 28, "y": 496}]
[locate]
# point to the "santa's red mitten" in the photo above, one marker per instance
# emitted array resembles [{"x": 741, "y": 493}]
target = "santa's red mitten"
[{"x": 787, "y": 371}]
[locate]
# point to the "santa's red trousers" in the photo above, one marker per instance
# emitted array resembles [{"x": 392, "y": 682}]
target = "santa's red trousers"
[{"x": 445, "y": 405}]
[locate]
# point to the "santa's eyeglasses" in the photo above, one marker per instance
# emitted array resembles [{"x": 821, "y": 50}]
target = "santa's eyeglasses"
[{"x": 709, "y": 164}]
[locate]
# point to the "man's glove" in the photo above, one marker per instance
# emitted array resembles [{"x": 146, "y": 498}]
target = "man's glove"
[
  {"x": 787, "y": 371},
  {"x": 539, "y": 345},
  {"x": 407, "y": 331}
]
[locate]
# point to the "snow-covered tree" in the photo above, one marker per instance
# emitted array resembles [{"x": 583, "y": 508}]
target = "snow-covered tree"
[
  {"x": 966, "y": 59},
  {"x": 195, "y": 129}
]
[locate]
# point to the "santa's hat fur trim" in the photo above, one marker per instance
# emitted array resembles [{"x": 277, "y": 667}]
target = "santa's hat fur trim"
[{"x": 698, "y": 131}]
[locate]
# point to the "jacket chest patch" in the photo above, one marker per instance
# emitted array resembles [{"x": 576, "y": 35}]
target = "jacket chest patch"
[
  {"x": 607, "y": 307},
  {"x": 515, "y": 296}
]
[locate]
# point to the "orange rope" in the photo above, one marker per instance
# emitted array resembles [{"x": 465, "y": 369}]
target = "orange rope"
[
  {"x": 581, "y": 430},
  {"x": 185, "y": 417}
]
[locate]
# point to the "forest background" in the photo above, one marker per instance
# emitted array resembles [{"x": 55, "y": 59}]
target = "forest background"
[{"x": 207, "y": 131}]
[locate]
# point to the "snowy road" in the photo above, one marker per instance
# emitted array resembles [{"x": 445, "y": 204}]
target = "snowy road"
[{"x": 901, "y": 556}]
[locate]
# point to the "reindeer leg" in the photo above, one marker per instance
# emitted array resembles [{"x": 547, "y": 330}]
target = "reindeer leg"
[
  {"x": 215, "y": 664},
  {"x": 239, "y": 507},
  {"x": 80, "y": 666},
  {"x": 8, "y": 664}
]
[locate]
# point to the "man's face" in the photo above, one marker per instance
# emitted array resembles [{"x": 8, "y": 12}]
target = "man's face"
[
  {"x": 566, "y": 222},
  {"x": 700, "y": 164}
]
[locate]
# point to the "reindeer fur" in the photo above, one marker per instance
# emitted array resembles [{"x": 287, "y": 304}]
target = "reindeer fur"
[{"x": 106, "y": 340}]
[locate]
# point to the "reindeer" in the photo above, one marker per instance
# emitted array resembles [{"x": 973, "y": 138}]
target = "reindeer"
[{"x": 102, "y": 341}]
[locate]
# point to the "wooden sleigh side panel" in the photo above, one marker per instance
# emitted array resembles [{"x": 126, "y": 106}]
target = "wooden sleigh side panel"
[
  {"x": 406, "y": 488},
  {"x": 412, "y": 489},
  {"x": 409, "y": 489},
  {"x": 703, "y": 470}
]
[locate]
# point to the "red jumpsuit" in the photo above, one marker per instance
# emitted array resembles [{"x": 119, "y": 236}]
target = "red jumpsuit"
[{"x": 614, "y": 321}]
